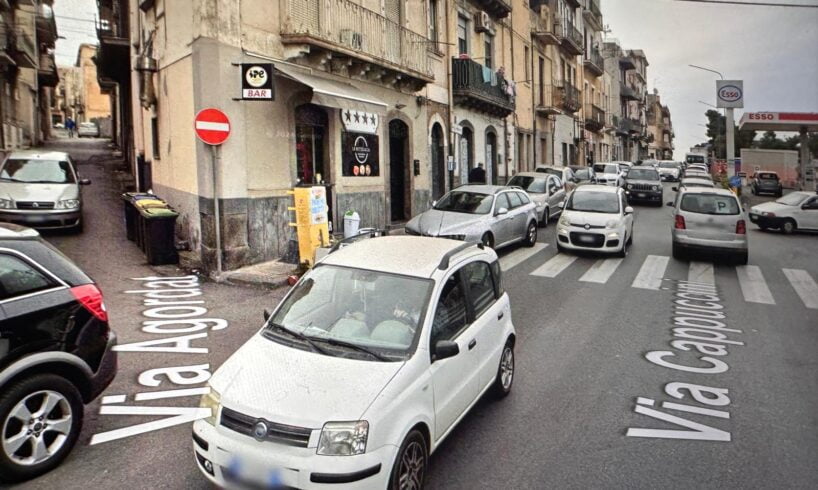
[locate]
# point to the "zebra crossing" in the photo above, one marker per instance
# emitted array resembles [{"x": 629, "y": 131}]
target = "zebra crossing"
[{"x": 652, "y": 272}]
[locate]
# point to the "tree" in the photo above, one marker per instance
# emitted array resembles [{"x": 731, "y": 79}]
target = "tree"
[{"x": 716, "y": 124}]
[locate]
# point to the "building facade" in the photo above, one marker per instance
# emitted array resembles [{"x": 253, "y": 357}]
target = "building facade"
[{"x": 660, "y": 128}]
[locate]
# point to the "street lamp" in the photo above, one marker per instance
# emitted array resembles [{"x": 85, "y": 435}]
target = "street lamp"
[
  {"x": 708, "y": 104},
  {"x": 707, "y": 69}
]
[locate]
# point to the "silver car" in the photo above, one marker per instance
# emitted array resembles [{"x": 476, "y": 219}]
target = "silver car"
[
  {"x": 41, "y": 190},
  {"x": 545, "y": 190},
  {"x": 493, "y": 215},
  {"x": 708, "y": 220}
]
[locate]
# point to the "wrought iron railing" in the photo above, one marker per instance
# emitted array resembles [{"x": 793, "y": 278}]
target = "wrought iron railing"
[
  {"x": 567, "y": 96},
  {"x": 470, "y": 78}
]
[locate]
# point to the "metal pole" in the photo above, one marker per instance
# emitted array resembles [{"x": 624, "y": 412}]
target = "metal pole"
[
  {"x": 731, "y": 147},
  {"x": 805, "y": 159},
  {"x": 214, "y": 152}
]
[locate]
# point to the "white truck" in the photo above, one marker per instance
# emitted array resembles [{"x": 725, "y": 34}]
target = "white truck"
[{"x": 782, "y": 162}]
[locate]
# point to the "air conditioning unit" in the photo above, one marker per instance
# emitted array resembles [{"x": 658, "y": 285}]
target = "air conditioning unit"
[{"x": 483, "y": 22}]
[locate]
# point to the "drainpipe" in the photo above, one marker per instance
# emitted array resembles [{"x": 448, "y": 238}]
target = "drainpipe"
[
  {"x": 452, "y": 135},
  {"x": 533, "y": 101}
]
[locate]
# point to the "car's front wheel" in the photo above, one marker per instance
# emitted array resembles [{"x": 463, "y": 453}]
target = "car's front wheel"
[
  {"x": 505, "y": 372},
  {"x": 788, "y": 227},
  {"x": 409, "y": 470},
  {"x": 41, "y": 419}
]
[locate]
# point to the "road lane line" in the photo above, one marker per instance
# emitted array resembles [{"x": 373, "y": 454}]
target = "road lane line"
[
  {"x": 520, "y": 255},
  {"x": 701, "y": 272},
  {"x": 753, "y": 286},
  {"x": 555, "y": 265},
  {"x": 804, "y": 285},
  {"x": 652, "y": 271},
  {"x": 601, "y": 271}
]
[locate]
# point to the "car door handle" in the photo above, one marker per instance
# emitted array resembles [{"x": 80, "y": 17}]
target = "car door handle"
[
  {"x": 472, "y": 344},
  {"x": 500, "y": 315}
]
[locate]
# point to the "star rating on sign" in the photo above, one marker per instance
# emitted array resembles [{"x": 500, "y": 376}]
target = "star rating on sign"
[{"x": 359, "y": 121}]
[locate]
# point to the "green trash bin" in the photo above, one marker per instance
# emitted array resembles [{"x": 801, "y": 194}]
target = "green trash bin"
[
  {"x": 129, "y": 200},
  {"x": 158, "y": 235}
]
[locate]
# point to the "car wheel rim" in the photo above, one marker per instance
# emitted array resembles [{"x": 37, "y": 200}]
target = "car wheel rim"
[
  {"x": 532, "y": 233},
  {"x": 37, "y": 427},
  {"x": 507, "y": 368},
  {"x": 412, "y": 467},
  {"x": 788, "y": 227}
]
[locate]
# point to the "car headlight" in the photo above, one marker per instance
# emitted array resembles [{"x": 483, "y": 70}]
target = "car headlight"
[
  {"x": 611, "y": 224},
  {"x": 6, "y": 204},
  {"x": 565, "y": 221},
  {"x": 343, "y": 438},
  {"x": 212, "y": 401},
  {"x": 68, "y": 204},
  {"x": 768, "y": 214},
  {"x": 630, "y": 186},
  {"x": 655, "y": 187}
]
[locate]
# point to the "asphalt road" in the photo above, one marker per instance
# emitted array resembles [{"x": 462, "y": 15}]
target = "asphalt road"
[{"x": 581, "y": 365}]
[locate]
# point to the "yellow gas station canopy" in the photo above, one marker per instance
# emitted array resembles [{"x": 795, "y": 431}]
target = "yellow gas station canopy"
[{"x": 780, "y": 121}]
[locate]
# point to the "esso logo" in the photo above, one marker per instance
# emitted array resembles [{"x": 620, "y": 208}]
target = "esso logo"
[
  {"x": 730, "y": 93},
  {"x": 761, "y": 116}
]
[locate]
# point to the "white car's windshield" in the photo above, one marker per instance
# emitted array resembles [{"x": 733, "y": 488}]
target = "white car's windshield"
[
  {"x": 668, "y": 165},
  {"x": 594, "y": 202},
  {"x": 793, "y": 199},
  {"x": 465, "y": 202},
  {"x": 530, "y": 184},
  {"x": 37, "y": 171},
  {"x": 695, "y": 159},
  {"x": 373, "y": 311}
]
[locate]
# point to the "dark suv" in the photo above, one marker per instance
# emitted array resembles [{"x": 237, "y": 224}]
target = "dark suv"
[
  {"x": 56, "y": 352},
  {"x": 644, "y": 184}
]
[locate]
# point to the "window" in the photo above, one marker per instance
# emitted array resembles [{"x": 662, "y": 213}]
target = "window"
[
  {"x": 502, "y": 202},
  {"x": 433, "y": 34},
  {"x": 813, "y": 204},
  {"x": 523, "y": 198},
  {"x": 481, "y": 286},
  {"x": 155, "y": 137},
  {"x": 553, "y": 185},
  {"x": 527, "y": 63},
  {"x": 462, "y": 34},
  {"x": 498, "y": 279},
  {"x": 18, "y": 278},
  {"x": 514, "y": 199},
  {"x": 710, "y": 204},
  {"x": 541, "y": 79},
  {"x": 450, "y": 314},
  {"x": 489, "y": 51}
]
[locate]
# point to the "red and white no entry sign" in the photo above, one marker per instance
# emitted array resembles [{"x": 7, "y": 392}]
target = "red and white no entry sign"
[{"x": 212, "y": 126}]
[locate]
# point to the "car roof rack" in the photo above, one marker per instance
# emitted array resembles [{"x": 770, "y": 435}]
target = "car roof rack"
[
  {"x": 363, "y": 233},
  {"x": 444, "y": 262}
]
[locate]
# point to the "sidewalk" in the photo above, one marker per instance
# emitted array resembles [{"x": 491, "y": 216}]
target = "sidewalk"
[{"x": 272, "y": 274}]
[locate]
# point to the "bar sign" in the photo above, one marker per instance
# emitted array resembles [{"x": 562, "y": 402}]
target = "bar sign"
[{"x": 257, "y": 81}]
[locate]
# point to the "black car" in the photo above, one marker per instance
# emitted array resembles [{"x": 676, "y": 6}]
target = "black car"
[
  {"x": 644, "y": 184},
  {"x": 56, "y": 352},
  {"x": 767, "y": 182}
]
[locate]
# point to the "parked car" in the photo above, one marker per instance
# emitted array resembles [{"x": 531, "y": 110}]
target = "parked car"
[
  {"x": 644, "y": 184},
  {"x": 596, "y": 218},
  {"x": 41, "y": 190},
  {"x": 585, "y": 175},
  {"x": 694, "y": 182},
  {"x": 495, "y": 216},
  {"x": 697, "y": 174},
  {"x": 609, "y": 174},
  {"x": 55, "y": 352},
  {"x": 696, "y": 169},
  {"x": 88, "y": 129},
  {"x": 708, "y": 220},
  {"x": 565, "y": 174},
  {"x": 545, "y": 190},
  {"x": 362, "y": 370},
  {"x": 670, "y": 171},
  {"x": 765, "y": 182},
  {"x": 795, "y": 211}
]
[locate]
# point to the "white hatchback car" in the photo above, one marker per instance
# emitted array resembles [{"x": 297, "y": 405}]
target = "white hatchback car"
[
  {"x": 596, "y": 218},
  {"x": 362, "y": 370}
]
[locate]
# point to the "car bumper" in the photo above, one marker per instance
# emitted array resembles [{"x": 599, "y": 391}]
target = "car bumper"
[
  {"x": 709, "y": 244},
  {"x": 766, "y": 221},
  {"x": 43, "y": 219},
  {"x": 637, "y": 195},
  {"x": 767, "y": 190},
  {"x": 293, "y": 467},
  {"x": 570, "y": 237},
  {"x": 107, "y": 368}
]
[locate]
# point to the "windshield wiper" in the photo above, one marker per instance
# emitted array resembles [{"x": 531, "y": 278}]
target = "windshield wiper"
[
  {"x": 359, "y": 348},
  {"x": 299, "y": 336}
]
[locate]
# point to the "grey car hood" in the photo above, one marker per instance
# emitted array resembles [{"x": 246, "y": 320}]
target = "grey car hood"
[
  {"x": 435, "y": 222},
  {"x": 19, "y": 191}
]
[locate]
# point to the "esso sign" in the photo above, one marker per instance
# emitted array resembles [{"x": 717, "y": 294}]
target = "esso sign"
[
  {"x": 761, "y": 116},
  {"x": 730, "y": 93}
]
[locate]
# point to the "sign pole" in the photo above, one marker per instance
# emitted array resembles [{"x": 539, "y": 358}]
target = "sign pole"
[
  {"x": 731, "y": 146},
  {"x": 214, "y": 153}
]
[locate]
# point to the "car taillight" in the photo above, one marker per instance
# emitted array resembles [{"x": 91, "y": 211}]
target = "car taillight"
[
  {"x": 741, "y": 227},
  {"x": 680, "y": 222},
  {"x": 90, "y": 297}
]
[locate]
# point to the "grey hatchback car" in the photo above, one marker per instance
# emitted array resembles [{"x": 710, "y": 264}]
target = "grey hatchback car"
[
  {"x": 709, "y": 220},
  {"x": 493, "y": 215}
]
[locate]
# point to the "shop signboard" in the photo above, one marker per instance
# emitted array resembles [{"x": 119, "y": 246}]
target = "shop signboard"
[
  {"x": 257, "y": 81},
  {"x": 359, "y": 155}
]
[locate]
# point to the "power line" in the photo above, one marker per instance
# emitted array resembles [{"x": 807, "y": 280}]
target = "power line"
[
  {"x": 753, "y": 4},
  {"x": 63, "y": 17}
]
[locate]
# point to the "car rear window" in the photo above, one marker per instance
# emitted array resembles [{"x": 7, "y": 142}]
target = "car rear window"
[
  {"x": 768, "y": 176},
  {"x": 710, "y": 204}
]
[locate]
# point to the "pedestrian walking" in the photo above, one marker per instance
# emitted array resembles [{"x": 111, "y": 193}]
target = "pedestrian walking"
[
  {"x": 477, "y": 175},
  {"x": 70, "y": 125}
]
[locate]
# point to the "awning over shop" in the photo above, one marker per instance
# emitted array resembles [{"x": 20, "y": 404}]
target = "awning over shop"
[
  {"x": 332, "y": 93},
  {"x": 779, "y": 121}
]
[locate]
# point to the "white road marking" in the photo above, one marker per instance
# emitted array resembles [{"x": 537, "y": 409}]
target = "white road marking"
[
  {"x": 212, "y": 126},
  {"x": 753, "y": 286},
  {"x": 701, "y": 272},
  {"x": 555, "y": 265},
  {"x": 158, "y": 395},
  {"x": 520, "y": 255},
  {"x": 113, "y": 399},
  {"x": 601, "y": 271},
  {"x": 804, "y": 285},
  {"x": 652, "y": 271}
]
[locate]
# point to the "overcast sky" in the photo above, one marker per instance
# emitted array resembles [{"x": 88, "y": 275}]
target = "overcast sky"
[{"x": 773, "y": 49}]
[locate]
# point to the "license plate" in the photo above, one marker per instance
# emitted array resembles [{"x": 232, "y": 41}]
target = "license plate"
[
  {"x": 640, "y": 194},
  {"x": 250, "y": 472},
  {"x": 586, "y": 239}
]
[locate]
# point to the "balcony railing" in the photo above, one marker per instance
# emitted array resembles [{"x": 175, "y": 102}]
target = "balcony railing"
[
  {"x": 110, "y": 25},
  {"x": 594, "y": 61},
  {"x": 593, "y": 15},
  {"x": 627, "y": 92},
  {"x": 542, "y": 23},
  {"x": 471, "y": 88},
  {"x": 627, "y": 63},
  {"x": 567, "y": 96},
  {"x": 570, "y": 38},
  {"x": 546, "y": 101},
  {"x": 47, "y": 72},
  {"x": 496, "y": 8},
  {"x": 594, "y": 117},
  {"x": 341, "y": 25},
  {"x": 46, "y": 25},
  {"x": 631, "y": 126}
]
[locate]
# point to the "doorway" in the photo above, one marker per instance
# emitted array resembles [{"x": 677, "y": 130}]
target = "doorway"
[
  {"x": 491, "y": 155},
  {"x": 466, "y": 153},
  {"x": 438, "y": 163},
  {"x": 312, "y": 165},
  {"x": 399, "y": 170}
]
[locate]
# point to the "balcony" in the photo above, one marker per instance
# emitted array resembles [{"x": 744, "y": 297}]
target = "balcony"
[
  {"x": 594, "y": 117},
  {"x": 627, "y": 92},
  {"x": 567, "y": 96},
  {"x": 593, "y": 15},
  {"x": 344, "y": 29},
  {"x": 627, "y": 63},
  {"x": 496, "y": 8},
  {"x": 25, "y": 50},
  {"x": 472, "y": 90},
  {"x": 114, "y": 53},
  {"x": 630, "y": 126},
  {"x": 542, "y": 23},
  {"x": 46, "y": 26},
  {"x": 571, "y": 39},
  {"x": 594, "y": 62},
  {"x": 547, "y": 103},
  {"x": 573, "y": 3},
  {"x": 611, "y": 122},
  {"x": 47, "y": 71},
  {"x": 6, "y": 47}
]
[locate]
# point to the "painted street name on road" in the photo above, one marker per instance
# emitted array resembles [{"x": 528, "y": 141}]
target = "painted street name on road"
[
  {"x": 171, "y": 311},
  {"x": 700, "y": 327}
]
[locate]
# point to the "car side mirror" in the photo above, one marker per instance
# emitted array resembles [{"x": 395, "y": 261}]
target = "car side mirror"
[
  {"x": 628, "y": 210},
  {"x": 266, "y": 315},
  {"x": 501, "y": 211},
  {"x": 85, "y": 181},
  {"x": 445, "y": 349},
  {"x": 434, "y": 203},
  {"x": 675, "y": 188},
  {"x": 669, "y": 204}
]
